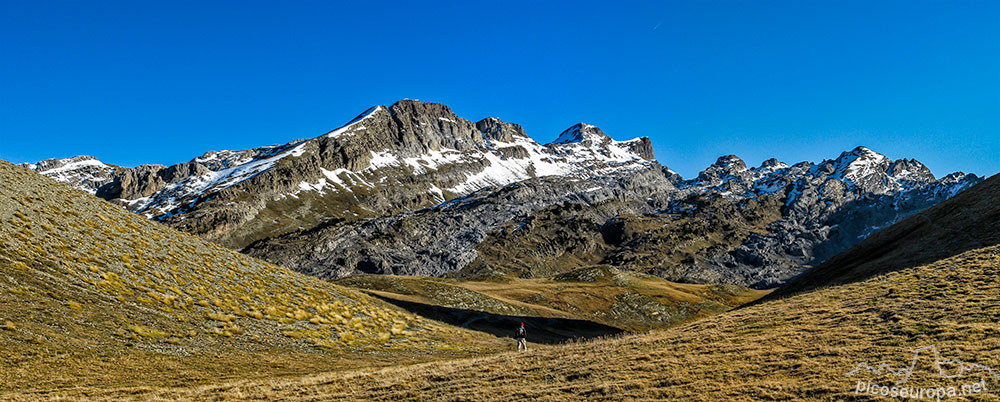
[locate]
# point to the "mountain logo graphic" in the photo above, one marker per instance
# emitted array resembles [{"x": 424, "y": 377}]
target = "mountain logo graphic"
[{"x": 959, "y": 369}]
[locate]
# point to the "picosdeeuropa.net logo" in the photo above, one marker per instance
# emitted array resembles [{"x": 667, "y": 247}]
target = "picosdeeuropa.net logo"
[{"x": 928, "y": 377}]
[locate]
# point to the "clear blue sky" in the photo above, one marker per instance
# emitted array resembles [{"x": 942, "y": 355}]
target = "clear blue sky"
[{"x": 161, "y": 82}]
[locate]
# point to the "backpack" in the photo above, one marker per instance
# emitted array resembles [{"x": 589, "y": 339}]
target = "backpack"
[{"x": 520, "y": 332}]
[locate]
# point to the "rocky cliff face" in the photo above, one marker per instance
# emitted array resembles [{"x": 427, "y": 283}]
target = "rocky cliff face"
[
  {"x": 413, "y": 189},
  {"x": 755, "y": 227},
  {"x": 444, "y": 238}
]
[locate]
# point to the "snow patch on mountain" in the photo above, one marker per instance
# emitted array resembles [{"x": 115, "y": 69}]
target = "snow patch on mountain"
[
  {"x": 83, "y": 172},
  {"x": 235, "y": 167},
  {"x": 350, "y": 125},
  {"x": 860, "y": 163},
  {"x": 433, "y": 160},
  {"x": 383, "y": 159},
  {"x": 579, "y": 133}
]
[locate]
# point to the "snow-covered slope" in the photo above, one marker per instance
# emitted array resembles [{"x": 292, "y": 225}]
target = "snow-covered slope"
[
  {"x": 222, "y": 169},
  {"x": 83, "y": 172}
]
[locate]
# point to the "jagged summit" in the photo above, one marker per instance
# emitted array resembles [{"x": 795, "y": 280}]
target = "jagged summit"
[
  {"x": 64, "y": 163},
  {"x": 773, "y": 163},
  {"x": 84, "y": 171},
  {"x": 587, "y": 138},
  {"x": 495, "y": 129},
  {"x": 731, "y": 162},
  {"x": 582, "y": 133},
  {"x": 861, "y": 153},
  {"x": 864, "y": 168},
  {"x": 911, "y": 170},
  {"x": 859, "y": 170},
  {"x": 860, "y": 162}
]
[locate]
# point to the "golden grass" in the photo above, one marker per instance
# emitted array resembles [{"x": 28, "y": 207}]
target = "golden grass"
[
  {"x": 94, "y": 296},
  {"x": 797, "y": 348}
]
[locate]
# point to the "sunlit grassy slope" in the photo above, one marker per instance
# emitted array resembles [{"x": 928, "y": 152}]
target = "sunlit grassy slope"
[{"x": 91, "y": 295}]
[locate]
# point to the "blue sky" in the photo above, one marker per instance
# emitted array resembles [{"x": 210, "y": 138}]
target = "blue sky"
[{"x": 162, "y": 82}]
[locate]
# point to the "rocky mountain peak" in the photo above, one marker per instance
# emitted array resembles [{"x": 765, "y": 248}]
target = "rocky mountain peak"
[
  {"x": 495, "y": 129},
  {"x": 726, "y": 169},
  {"x": 773, "y": 163},
  {"x": 416, "y": 109},
  {"x": 434, "y": 126},
  {"x": 641, "y": 146},
  {"x": 582, "y": 133},
  {"x": 911, "y": 170},
  {"x": 864, "y": 151},
  {"x": 64, "y": 163},
  {"x": 730, "y": 163},
  {"x": 862, "y": 154},
  {"x": 378, "y": 112},
  {"x": 85, "y": 171},
  {"x": 858, "y": 164},
  {"x": 955, "y": 177}
]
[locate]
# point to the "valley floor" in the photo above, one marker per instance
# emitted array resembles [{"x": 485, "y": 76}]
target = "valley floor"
[
  {"x": 589, "y": 302},
  {"x": 802, "y": 347}
]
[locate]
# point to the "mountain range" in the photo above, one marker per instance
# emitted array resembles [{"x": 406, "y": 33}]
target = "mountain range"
[{"x": 413, "y": 189}]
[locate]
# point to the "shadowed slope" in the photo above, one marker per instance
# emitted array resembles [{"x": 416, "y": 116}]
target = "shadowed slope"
[
  {"x": 965, "y": 222},
  {"x": 539, "y": 329},
  {"x": 599, "y": 294}
]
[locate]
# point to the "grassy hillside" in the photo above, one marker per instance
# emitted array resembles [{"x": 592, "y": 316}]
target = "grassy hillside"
[
  {"x": 91, "y": 295},
  {"x": 617, "y": 298},
  {"x": 792, "y": 349},
  {"x": 965, "y": 222}
]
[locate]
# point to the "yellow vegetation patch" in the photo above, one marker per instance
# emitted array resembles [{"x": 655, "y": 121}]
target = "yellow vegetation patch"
[
  {"x": 109, "y": 294},
  {"x": 147, "y": 332}
]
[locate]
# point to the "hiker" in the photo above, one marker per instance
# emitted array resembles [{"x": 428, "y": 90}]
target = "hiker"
[{"x": 520, "y": 338}]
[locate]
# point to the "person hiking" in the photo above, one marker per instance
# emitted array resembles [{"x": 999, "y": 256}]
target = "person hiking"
[{"x": 520, "y": 338}]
